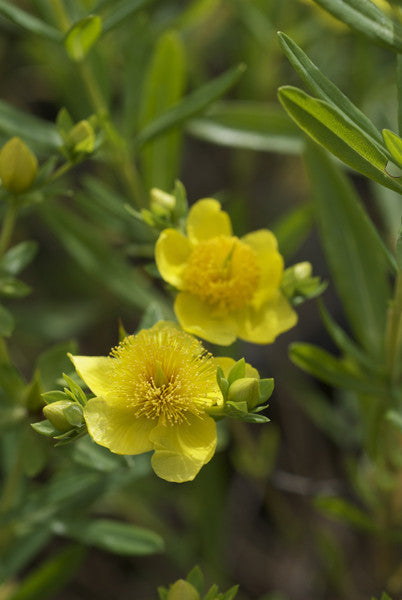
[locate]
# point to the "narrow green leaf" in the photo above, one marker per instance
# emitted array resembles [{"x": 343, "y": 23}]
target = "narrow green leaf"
[
  {"x": 82, "y": 36},
  {"x": 395, "y": 418},
  {"x": 18, "y": 257},
  {"x": 394, "y": 145},
  {"x": 13, "y": 288},
  {"x": 292, "y": 229},
  {"x": 108, "y": 268},
  {"x": 342, "y": 340},
  {"x": 326, "y": 367},
  {"x": 6, "y": 322},
  {"x": 327, "y": 126},
  {"x": 191, "y": 105},
  {"x": 45, "y": 428},
  {"x": 357, "y": 256},
  {"x": 121, "y": 10},
  {"x": 163, "y": 88},
  {"x": 399, "y": 248},
  {"x": 40, "y": 134},
  {"x": 326, "y": 90},
  {"x": 366, "y": 18},
  {"x": 51, "y": 576},
  {"x": 114, "y": 536},
  {"x": 266, "y": 389},
  {"x": 28, "y": 21},
  {"x": 250, "y": 125},
  {"x": 345, "y": 511},
  {"x": 54, "y": 396},
  {"x": 231, "y": 594}
]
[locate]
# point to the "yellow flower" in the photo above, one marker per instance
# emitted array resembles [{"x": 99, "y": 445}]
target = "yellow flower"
[
  {"x": 229, "y": 287},
  {"x": 152, "y": 393}
]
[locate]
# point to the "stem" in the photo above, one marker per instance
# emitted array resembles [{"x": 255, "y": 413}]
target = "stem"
[
  {"x": 399, "y": 88},
  {"x": 393, "y": 337},
  {"x": 61, "y": 15},
  {"x": 8, "y": 225}
]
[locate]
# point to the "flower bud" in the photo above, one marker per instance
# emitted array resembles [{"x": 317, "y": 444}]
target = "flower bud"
[
  {"x": 161, "y": 202},
  {"x": 246, "y": 390},
  {"x": 54, "y": 413},
  {"x": 18, "y": 166},
  {"x": 81, "y": 138},
  {"x": 182, "y": 590}
]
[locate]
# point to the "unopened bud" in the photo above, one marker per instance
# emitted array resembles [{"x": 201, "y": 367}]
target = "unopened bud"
[
  {"x": 246, "y": 390},
  {"x": 302, "y": 270},
  {"x": 161, "y": 201},
  {"x": 182, "y": 590},
  {"x": 54, "y": 412},
  {"x": 18, "y": 166},
  {"x": 81, "y": 138}
]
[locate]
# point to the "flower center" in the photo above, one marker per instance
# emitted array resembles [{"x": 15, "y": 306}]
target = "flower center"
[
  {"x": 164, "y": 373},
  {"x": 223, "y": 272}
]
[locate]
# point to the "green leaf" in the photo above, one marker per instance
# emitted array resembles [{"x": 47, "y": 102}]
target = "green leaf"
[
  {"x": 342, "y": 340},
  {"x": 120, "y": 538},
  {"x": 45, "y": 428},
  {"x": 196, "y": 578},
  {"x": 18, "y": 257},
  {"x": 51, "y": 576},
  {"x": 395, "y": 418},
  {"x": 366, "y": 18},
  {"x": 231, "y": 594},
  {"x": 87, "y": 245},
  {"x": 40, "y": 134},
  {"x": 330, "y": 128},
  {"x": 345, "y": 511},
  {"x": 163, "y": 87},
  {"x": 121, "y": 10},
  {"x": 22, "y": 550},
  {"x": 190, "y": 105},
  {"x": 357, "y": 256},
  {"x": 7, "y": 323},
  {"x": 89, "y": 454},
  {"x": 394, "y": 145},
  {"x": 399, "y": 249},
  {"x": 266, "y": 389},
  {"x": 250, "y": 125},
  {"x": 82, "y": 36},
  {"x": 153, "y": 313},
  {"x": 326, "y": 367},
  {"x": 28, "y": 21},
  {"x": 13, "y": 288},
  {"x": 11, "y": 382},
  {"x": 34, "y": 453},
  {"x": 237, "y": 371},
  {"x": 292, "y": 229},
  {"x": 326, "y": 90}
]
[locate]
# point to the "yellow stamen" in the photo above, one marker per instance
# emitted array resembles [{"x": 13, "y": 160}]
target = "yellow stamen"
[
  {"x": 164, "y": 373},
  {"x": 223, "y": 272}
]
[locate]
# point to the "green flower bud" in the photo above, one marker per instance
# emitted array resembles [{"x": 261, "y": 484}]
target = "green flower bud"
[
  {"x": 161, "y": 202},
  {"x": 54, "y": 413},
  {"x": 18, "y": 166},
  {"x": 182, "y": 590},
  {"x": 81, "y": 138},
  {"x": 246, "y": 390}
]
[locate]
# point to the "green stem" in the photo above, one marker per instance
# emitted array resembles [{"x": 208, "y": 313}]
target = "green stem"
[
  {"x": 399, "y": 88},
  {"x": 9, "y": 221},
  {"x": 393, "y": 338},
  {"x": 61, "y": 15}
]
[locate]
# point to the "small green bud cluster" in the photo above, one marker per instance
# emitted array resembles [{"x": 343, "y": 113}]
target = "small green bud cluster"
[
  {"x": 79, "y": 139},
  {"x": 64, "y": 413},
  {"x": 244, "y": 393},
  {"x": 18, "y": 166},
  {"x": 298, "y": 284},
  {"x": 165, "y": 210},
  {"x": 192, "y": 588}
]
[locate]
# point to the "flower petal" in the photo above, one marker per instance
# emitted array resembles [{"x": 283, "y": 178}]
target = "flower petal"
[
  {"x": 206, "y": 220},
  {"x": 262, "y": 325},
  {"x": 269, "y": 261},
  {"x": 181, "y": 450},
  {"x": 197, "y": 317},
  {"x": 171, "y": 253},
  {"x": 95, "y": 371},
  {"x": 117, "y": 428}
]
